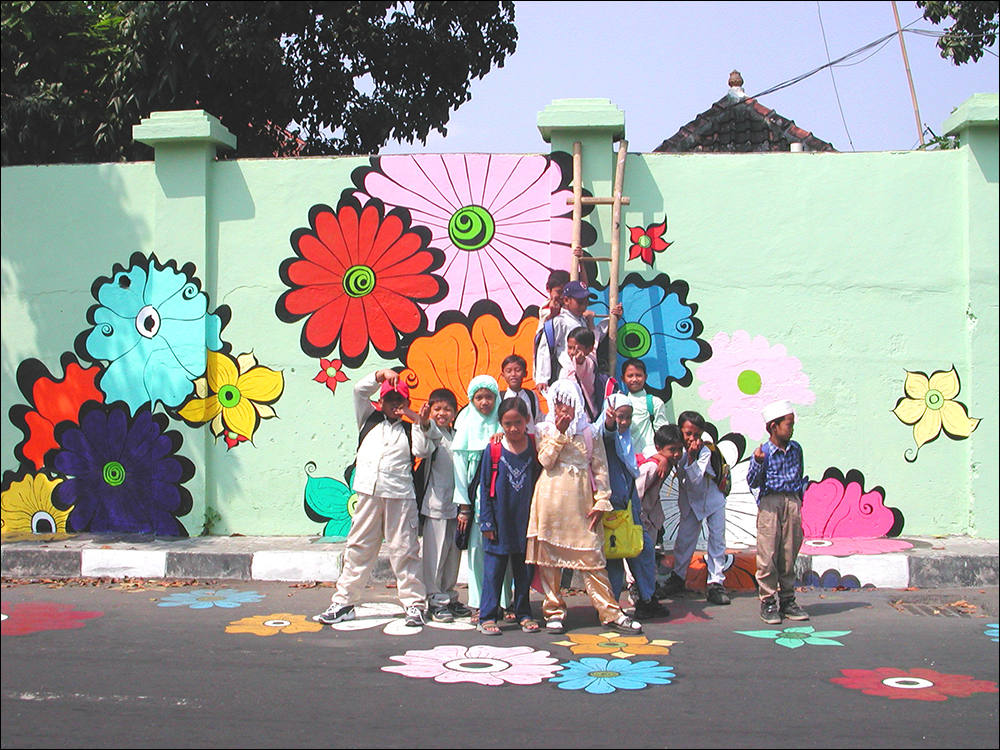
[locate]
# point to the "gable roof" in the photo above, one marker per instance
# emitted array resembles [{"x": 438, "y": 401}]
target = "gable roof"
[{"x": 739, "y": 124}]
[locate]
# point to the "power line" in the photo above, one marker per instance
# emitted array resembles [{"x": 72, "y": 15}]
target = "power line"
[{"x": 836, "y": 93}]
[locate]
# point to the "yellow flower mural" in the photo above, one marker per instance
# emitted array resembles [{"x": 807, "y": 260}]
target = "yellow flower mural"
[
  {"x": 929, "y": 406},
  {"x": 26, "y": 507},
  {"x": 234, "y": 395},
  {"x": 281, "y": 622},
  {"x": 615, "y": 646}
]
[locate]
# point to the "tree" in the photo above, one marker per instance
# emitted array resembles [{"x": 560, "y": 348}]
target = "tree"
[
  {"x": 284, "y": 77},
  {"x": 973, "y": 29}
]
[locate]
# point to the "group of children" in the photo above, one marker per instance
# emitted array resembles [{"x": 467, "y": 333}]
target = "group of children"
[{"x": 526, "y": 493}]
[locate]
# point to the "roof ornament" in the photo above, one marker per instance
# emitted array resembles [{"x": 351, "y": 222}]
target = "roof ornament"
[{"x": 736, "y": 86}]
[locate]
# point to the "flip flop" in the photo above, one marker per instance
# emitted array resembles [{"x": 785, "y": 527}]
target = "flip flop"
[
  {"x": 489, "y": 627},
  {"x": 529, "y": 626}
]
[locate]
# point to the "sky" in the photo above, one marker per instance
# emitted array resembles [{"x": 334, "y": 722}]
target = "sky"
[{"x": 663, "y": 63}]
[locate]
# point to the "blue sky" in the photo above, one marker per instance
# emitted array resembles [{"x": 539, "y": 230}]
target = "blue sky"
[{"x": 663, "y": 63}]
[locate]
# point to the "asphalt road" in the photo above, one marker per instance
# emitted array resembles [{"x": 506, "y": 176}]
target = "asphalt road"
[{"x": 139, "y": 674}]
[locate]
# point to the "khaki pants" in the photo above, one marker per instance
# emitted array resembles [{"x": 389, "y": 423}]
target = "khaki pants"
[
  {"x": 376, "y": 518},
  {"x": 598, "y": 587},
  {"x": 779, "y": 537}
]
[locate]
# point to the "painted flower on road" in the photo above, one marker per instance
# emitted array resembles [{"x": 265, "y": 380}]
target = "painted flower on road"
[
  {"x": 993, "y": 632},
  {"x": 234, "y": 396},
  {"x": 330, "y": 373},
  {"x": 24, "y": 618},
  {"x": 26, "y": 505},
  {"x": 839, "y": 507},
  {"x": 501, "y": 220},
  {"x": 281, "y": 622},
  {"x": 225, "y": 598},
  {"x": 797, "y": 637},
  {"x": 152, "y": 325},
  {"x": 357, "y": 276},
  {"x": 647, "y": 241},
  {"x": 914, "y": 684},
  {"x": 601, "y": 676},
  {"x": 847, "y": 547},
  {"x": 743, "y": 376},
  {"x": 123, "y": 473},
  {"x": 929, "y": 405},
  {"x": 389, "y": 617},
  {"x": 616, "y": 646},
  {"x": 481, "y": 665}
]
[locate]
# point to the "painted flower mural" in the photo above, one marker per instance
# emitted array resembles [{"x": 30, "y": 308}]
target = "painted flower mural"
[
  {"x": 647, "y": 241},
  {"x": 389, "y": 617},
  {"x": 331, "y": 373},
  {"x": 602, "y": 676},
  {"x": 50, "y": 401},
  {"x": 281, "y": 622},
  {"x": 329, "y": 501},
  {"x": 743, "y": 376},
  {"x": 502, "y": 221},
  {"x": 234, "y": 396},
  {"x": 357, "y": 276},
  {"x": 123, "y": 473},
  {"x": 929, "y": 405},
  {"x": 616, "y": 646},
  {"x": 798, "y": 637},
  {"x": 26, "y": 505},
  {"x": 847, "y": 547},
  {"x": 24, "y": 618},
  {"x": 480, "y": 665},
  {"x": 659, "y": 327},
  {"x": 993, "y": 632},
  {"x": 206, "y": 599},
  {"x": 839, "y": 507},
  {"x": 914, "y": 684},
  {"x": 152, "y": 326}
]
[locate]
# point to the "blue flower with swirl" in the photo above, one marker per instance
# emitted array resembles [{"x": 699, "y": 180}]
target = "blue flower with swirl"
[
  {"x": 659, "y": 327},
  {"x": 225, "y": 598},
  {"x": 600, "y": 676},
  {"x": 153, "y": 326}
]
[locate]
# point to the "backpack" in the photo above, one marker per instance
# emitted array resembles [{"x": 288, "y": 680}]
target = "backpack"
[
  {"x": 548, "y": 329},
  {"x": 723, "y": 474}
]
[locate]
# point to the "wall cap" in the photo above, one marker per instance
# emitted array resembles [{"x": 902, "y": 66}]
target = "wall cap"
[
  {"x": 977, "y": 110},
  {"x": 183, "y": 126},
  {"x": 591, "y": 115}
]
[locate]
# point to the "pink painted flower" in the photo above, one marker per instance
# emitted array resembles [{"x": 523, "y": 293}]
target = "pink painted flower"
[
  {"x": 502, "y": 221},
  {"x": 483, "y": 665},
  {"x": 839, "y": 507},
  {"x": 330, "y": 373},
  {"x": 24, "y": 618},
  {"x": 846, "y": 547},
  {"x": 744, "y": 376}
]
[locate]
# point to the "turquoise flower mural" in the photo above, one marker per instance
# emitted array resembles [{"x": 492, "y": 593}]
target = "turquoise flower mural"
[
  {"x": 993, "y": 632},
  {"x": 330, "y": 501},
  {"x": 601, "y": 676},
  {"x": 225, "y": 598},
  {"x": 798, "y": 637},
  {"x": 153, "y": 327}
]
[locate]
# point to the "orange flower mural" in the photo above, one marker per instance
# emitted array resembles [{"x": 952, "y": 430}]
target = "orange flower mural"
[{"x": 740, "y": 570}]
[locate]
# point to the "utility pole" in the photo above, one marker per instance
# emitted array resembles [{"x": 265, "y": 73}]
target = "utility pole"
[{"x": 909, "y": 77}]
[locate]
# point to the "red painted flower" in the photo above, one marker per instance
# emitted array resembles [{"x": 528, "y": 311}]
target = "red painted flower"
[
  {"x": 358, "y": 276},
  {"x": 24, "y": 618},
  {"x": 647, "y": 241},
  {"x": 913, "y": 684},
  {"x": 330, "y": 373},
  {"x": 51, "y": 401},
  {"x": 232, "y": 439}
]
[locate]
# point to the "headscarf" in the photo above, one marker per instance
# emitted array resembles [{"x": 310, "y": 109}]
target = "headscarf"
[
  {"x": 623, "y": 440},
  {"x": 566, "y": 391},
  {"x": 473, "y": 430}
]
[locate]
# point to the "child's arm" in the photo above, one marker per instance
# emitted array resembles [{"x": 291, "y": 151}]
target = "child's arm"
[
  {"x": 425, "y": 434},
  {"x": 697, "y": 465},
  {"x": 364, "y": 389},
  {"x": 602, "y": 485},
  {"x": 550, "y": 444},
  {"x": 487, "y": 513},
  {"x": 659, "y": 415},
  {"x": 756, "y": 470},
  {"x": 461, "y": 496}
]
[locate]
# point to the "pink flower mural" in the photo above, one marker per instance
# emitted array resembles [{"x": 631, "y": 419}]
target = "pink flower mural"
[
  {"x": 743, "y": 376},
  {"x": 838, "y": 507},
  {"x": 481, "y": 665},
  {"x": 502, "y": 221}
]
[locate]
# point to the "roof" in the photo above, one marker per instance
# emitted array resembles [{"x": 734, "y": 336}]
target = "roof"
[{"x": 740, "y": 124}]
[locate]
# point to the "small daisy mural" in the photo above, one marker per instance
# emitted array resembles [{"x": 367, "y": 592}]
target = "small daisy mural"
[
  {"x": 798, "y": 637},
  {"x": 225, "y": 598},
  {"x": 481, "y": 665},
  {"x": 616, "y": 646},
  {"x": 912, "y": 684},
  {"x": 929, "y": 405},
  {"x": 281, "y": 622},
  {"x": 601, "y": 676},
  {"x": 647, "y": 241},
  {"x": 331, "y": 373}
]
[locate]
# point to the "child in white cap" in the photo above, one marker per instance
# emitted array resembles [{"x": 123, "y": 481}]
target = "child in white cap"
[{"x": 777, "y": 470}]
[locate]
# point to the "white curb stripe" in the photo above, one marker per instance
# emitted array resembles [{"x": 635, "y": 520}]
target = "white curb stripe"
[
  {"x": 119, "y": 563},
  {"x": 273, "y": 565}
]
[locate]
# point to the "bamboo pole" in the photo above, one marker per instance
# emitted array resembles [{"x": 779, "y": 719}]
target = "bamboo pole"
[
  {"x": 909, "y": 76},
  {"x": 574, "y": 267},
  {"x": 616, "y": 234}
]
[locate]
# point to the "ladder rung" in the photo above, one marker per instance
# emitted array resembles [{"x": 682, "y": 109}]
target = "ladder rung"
[
  {"x": 606, "y": 260},
  {"x": 591, "y": 201}
]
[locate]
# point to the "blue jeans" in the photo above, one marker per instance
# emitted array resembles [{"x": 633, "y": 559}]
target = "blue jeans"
[
  {"x": 643, "y": 568},
  {"x": 494, "y": 568}
]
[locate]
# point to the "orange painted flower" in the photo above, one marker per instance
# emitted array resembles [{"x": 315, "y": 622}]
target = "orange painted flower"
[
  {"x": 615, "y": 646},
  {"x": 281, "y": 622}
]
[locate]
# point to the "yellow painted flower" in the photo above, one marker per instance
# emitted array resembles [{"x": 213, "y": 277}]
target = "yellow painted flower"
[
  {"x": 281, "y": 622},
  {"x": 26, "y": 507},
  {"x": 614, "y": 645},
  {"x": 929, "y": 406},
  {"x": 235, "y": 395}
]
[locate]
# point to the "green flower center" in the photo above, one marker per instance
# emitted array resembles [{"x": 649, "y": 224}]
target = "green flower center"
[
  {"x": 794, "y": 636},
  {"x": 645, "y": 241},
  {"x": 331, "y": 372},
  {"x": 612, "y": 644},
  {"x": 934, "y": 399},
  {"x": 113, "y": 473},
  {"x": 359, "y": 281},
  {"x": 748, "y": 382},
  {"x": 604, "y": 674},
  {"x": 634, "y": 340},
  {"x": 229, "y": 396},
  {"x": 210, "y": 598},
  {"x": 471, "y": 227}
]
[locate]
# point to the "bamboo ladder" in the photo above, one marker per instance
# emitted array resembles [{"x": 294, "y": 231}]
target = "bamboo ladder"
[{"x": 616, "y": 201}]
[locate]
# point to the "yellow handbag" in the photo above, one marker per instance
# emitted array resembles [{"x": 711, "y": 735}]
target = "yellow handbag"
[{"x": 622, "y": 535}]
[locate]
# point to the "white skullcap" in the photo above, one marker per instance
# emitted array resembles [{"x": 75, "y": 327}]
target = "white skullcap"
[{"x": 777, "y": 410}]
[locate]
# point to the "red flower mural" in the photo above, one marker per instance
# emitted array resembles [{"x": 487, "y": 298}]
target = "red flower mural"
[
  {"x": 647, "y": 241},
  {"x": 913, "y": 684},
  {"x": 25, "y": 618},
  {"x": 357, "y": 276},
  {"x": 51, "y": 401},
  {"x": 330, "y": 373}
]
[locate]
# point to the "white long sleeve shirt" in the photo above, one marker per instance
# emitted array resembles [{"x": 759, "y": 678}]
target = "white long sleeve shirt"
[
  {"x": 562, "y": 325},
  {"x": 698, "y": 492}
]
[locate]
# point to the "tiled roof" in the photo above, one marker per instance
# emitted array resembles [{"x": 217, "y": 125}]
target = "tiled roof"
[{"x": 738, "y": 124}]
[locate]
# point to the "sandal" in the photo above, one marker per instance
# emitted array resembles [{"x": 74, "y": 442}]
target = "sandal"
[
  {"x": 474, "y": 616},
  {"x": 488, "y": 627},
  {"x": 625, "y": 625},
  {"x": 529, "y": 626},
  {"x": 509, "y": 615}
]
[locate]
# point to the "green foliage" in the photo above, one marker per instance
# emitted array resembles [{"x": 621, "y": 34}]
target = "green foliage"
[
  {"x": 973, "y": 29},
  {"x": 284, "y": 77}
]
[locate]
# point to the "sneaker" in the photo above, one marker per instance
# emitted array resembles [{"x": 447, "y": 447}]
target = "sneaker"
[
  {"x": 625, "y": 625},
  {"x": 791, "y": 610},
  {"x": 673, "y": 585},
  {"x": 769, "y": 611},
  {"x": 414, "y": 617},
  {"x": 335, "y": 614},
  {"x": 650, "y": 609},
  {"x": 442, "y": 614},
  {"x": 717, "y": 594},
  {"x": 459, "y": 610},
  {"x": 554, "y": 626}
]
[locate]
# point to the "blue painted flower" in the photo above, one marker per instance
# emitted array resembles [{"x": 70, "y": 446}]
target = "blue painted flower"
[
  {"x": 225, "y": 598},
  {"x": 122, "y": 474},
  {"x": 598, "y": 676},
  {"x": 796, "y": 637},
  {"x": 658, "y": 327},
  {"x": 993, "y": 632},
  {"x": 152, "y": 324}
]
